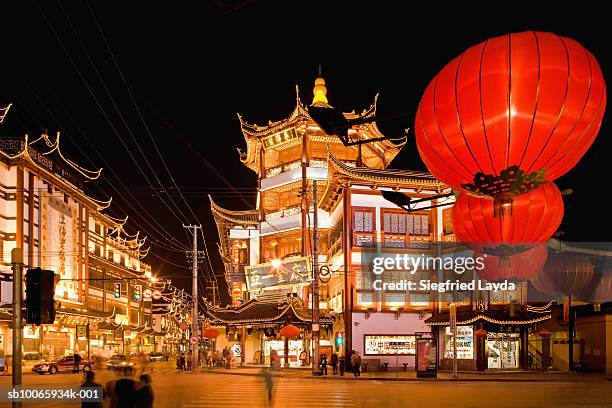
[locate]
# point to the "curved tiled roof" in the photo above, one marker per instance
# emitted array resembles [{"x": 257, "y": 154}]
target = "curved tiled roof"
[
  {"x": 491, "y": 316},
  {"x": 272, "y": 309}
]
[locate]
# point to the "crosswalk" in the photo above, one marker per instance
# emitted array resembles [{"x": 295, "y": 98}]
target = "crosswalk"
[{"x": 287, "y": 393}]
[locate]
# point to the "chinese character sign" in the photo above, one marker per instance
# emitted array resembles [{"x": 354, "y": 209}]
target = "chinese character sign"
[{"x": 288, "y": 272}]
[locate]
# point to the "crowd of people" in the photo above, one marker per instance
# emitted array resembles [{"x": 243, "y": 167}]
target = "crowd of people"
[
  {"x": 339, "y": 363},
  {"x": 122, "y": 392}
]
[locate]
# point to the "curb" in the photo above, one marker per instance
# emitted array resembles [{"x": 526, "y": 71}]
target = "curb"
[{"x": 347, "y": 378}]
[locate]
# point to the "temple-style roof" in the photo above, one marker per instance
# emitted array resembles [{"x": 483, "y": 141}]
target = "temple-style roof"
[
  {"x": 283, "y": 132},
  {"x": 90, "y": 313},
  {"x": 268, "y": 309},
  {"x": 226, "y": 220},
  {"x": 65, "y": 174},
  {"x": 491, "y": 316},
  {"x": 339, "y": 174}
]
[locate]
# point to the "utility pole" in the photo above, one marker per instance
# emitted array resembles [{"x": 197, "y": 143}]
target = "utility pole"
[
  {"x": 316, "y": 370},
  {"x": 194, "y": 292},
  {"x": 17, "y": 261}
]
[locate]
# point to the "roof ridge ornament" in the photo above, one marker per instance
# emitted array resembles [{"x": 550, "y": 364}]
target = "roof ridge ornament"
[{"x": 4, "y": 111}]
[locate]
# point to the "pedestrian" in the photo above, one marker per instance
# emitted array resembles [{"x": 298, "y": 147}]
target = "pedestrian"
[
  {"x": 230, "y": 358},
  {"x": 144, "y": 395},
  {"x": 225, "y": 350},
  {"x": 356, "y": 364},
  {"x": 167, "y": 356},
  {"x": 188, "y": 362},
  {"x": 182, "y": 362},
  {"x": 334, "y": 363},
  {"x": 323, "y": 364},
  {"x": 125, "y": 392},
  {"x": 342, "y": 364},
  {"x": 76, "y": 359},
  {"x": 269, "y": 383},
  {"x": 90, "y": 383},
  {"x": 218, "y": 358}
]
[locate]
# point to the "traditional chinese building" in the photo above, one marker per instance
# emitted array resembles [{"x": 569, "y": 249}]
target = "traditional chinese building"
[
  {"x": 267, "y": 252},
  {"x": 45, "y": 210}
]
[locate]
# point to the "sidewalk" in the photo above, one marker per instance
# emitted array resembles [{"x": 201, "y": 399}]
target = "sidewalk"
[{"x": 514, "y": 376}]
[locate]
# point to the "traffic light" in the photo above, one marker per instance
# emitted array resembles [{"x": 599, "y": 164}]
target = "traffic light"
[
  {"x": 40, "y": 291},
  {"x": 117, "y": 290},
  {"x": 137, "y": 292}
]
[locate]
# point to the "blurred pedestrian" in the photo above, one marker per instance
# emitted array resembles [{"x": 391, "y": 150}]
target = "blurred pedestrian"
[
  {"x": 342, "y": 364},
  {"x": 183, "y": 363},
  {"x": 144, "y": 395},
  {"x": 76, "y": 359},
  {"x": 323, "y": 364},
  {"x": 356, "y": 364},
  {"x": 334, "y": 363},
  {"x": 269, "y": 384},
  {"x": 188, "y": 362},
  {"x": 90, "y": 383},
  {"x": 125, "y": 392}
]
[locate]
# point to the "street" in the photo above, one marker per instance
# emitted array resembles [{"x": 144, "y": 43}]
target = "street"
[{"x": 187, "y": 389}]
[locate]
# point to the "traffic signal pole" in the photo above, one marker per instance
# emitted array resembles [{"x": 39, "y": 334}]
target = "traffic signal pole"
[
  {"x": 17, "y": 261},
  {"x": 194, "y": 288}
]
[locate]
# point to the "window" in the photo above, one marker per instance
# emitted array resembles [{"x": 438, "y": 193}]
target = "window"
[
  {"x": 398, "y": 226},
  {"x": 122, "y": 260},
  {"x": 364, "y": 226},
  {"x": 97, "y": 250},
  {"x": 447, "y": 221},
  {"x": 97, "y": 228},
  {"x": 363, "y": 220}
]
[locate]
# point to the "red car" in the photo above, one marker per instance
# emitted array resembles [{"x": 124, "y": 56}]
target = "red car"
[{"x": 64, "y": 365}]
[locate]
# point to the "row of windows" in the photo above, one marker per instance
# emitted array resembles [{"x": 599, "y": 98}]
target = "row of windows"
[{"x": 393, "y": 221}]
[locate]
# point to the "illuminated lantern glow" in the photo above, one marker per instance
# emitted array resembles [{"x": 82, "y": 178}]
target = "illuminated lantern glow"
[
  {"x": 563, "y": 274},
  {"x": 518, "y": 267},
  {"x": 211, "y": 333},
  {"x": 481, "y": 333},
  {"x": 511, "y": 114},
  {"x": 543, "y": 332},
  {"x": 535, "y": 217},
  {"x": 290, "y": 331}
]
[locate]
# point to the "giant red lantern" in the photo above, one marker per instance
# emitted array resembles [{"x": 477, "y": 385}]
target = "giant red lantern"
[
  {"x": 535, "y": 218},
  {"x": 510, "y": 114},
  {"x": 600, "y": 288},
  {"x": 519, "y": 267},
  {"x": 211, "y": 333},
  {"x": 563, "y": 274},
  {"x": 290, "y": 331}
]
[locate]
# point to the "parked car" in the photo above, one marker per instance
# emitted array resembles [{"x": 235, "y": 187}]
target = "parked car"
[
  {"x": 157, "y": 357},
  {"x": 31, "y": 358},
  {"x": 121, "y": 362},
  {"x": 63, "y": 365}
]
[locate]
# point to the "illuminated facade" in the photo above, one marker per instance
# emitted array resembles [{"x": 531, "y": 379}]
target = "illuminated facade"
[
  {"x": 267, "y": 251},
  {"x": 45, "y": 211}
]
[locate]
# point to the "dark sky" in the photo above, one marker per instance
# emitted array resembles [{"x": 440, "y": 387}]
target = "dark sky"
[{"x": 190, "y": 66}]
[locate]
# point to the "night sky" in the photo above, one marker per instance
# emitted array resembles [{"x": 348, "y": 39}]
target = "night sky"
[{"x": 190, "y": 67}]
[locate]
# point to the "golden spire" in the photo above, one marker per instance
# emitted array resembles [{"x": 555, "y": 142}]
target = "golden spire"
[{"x": 319, "y": 91}]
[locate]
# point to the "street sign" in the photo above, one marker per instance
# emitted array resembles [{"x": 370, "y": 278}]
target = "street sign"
[
  {"x": 183, "y": 325},
  {"x": 93, "y": 326},
  {"x": 148, "y": 294},
  {"x": 157, "y": 294},
  {"x": 193, "y": 340}
]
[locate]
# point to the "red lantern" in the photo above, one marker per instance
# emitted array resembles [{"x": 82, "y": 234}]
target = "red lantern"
[
  {"x": 563, "y": 274},
  {"x": 211, "y": 333},
  {"x": 600, "y": 288},
  {"x": 290, "y": 331},
  {"x": 543, "y": 332},
  {"x": 510, "y": 114},
  {"x": 481, "y": 333},
  {"x": 519, "y": 267},
  {"x": 535, "y": 218}
]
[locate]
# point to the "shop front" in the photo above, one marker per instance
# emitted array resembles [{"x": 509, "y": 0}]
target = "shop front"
[{"x": 486, "y": 340}]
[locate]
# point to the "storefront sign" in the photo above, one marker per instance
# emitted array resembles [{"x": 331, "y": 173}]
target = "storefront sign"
[
  {"x": 376, "y": 345},
  {"x": 289, "y": 273},
  {"x": 465, "y": 343},
  {"x": 236, "y": 349},
  {"x": 81, "y": 330}
]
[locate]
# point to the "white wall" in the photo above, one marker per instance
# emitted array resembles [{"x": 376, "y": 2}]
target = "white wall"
[{"x": 385, "y": 323}]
